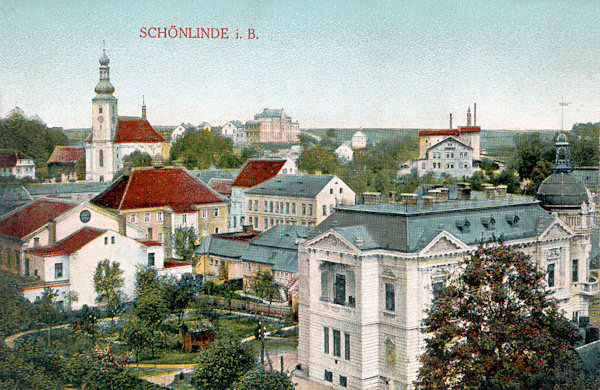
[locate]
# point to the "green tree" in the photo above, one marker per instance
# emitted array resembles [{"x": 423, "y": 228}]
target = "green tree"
[
  {"x": 259, "y": 379},
  {"x": 149, "y": 308},
  {"x": 138, "y": 159},
  {"x": 87, "y": 323},
  {"x": 202, "y": 149},
  {"x": 137, "y": 336},
  {"x": 28, "y": 367},
  {"x": 541, "y": 171},
  {"x": 184, "y": 241},
  {"x": 496, "y": 327},
  {"x": 176, "y": 298},
  {"x": 531, "y": 148},
  {"x": 583, "y": 139},
  {"x": 45, "y": 309},
  {"x": 15, "y": 311},
  {"x": 265, "y": 287},
  {"x": 108, "y": 281},
  {"x": 221, "y": 364},
  {"x": 317, "y": 159}
]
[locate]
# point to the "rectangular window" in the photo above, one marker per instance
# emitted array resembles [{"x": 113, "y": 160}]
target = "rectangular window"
[
  {"x": 256, "y": 205},
  {"x": 324, "y": 209},
  {"x": 271, "y": 206},
  {"x": 336, "y": 343},
  {"x": 256, "y": 222},
  {"x": 347, "y": 346},
  {"x": 343, "y": 381},
  {"x": 105, "y": 240},
  {"x": 217, "y": 212},
  {"x": 287, "y": 208},
  {"x": 249, "y": 205},
  {"x": 551, "y": 275},
  {"x": 184, "y": 219},
  {"x": 99, "y": 110},
  {"x": 575, "y": 270},
  {"x": 293, "y": 208},
  {"x": 339, "y": 289},
  {"x": 341, "y": 191},
  {"x": 325, "y": 340},
  {"x": 204, "y": 213},
  {"x": 132, "y": 218},
  {"x": 149, "y": 235},
  {"x": 147, "y": 217},
  {"x": 277, "y": 207},
  {"x": 310, "y": 209},
  {"x": 36, "y": 242},
  {"x": 112, "y": 239},
  {"x": 159, "y": 216},
  {"x": 390, "y": 297},
  {"x": 303, "y": 209},
  {"x": 58, "y": 270},
  {"x": 150, "y": 259},
  {"x": 331, "y": 191},
  {"x": 265, "y": 206},
  {"x": 266, "y": 223},
  {"x": 328, "y": 376}
]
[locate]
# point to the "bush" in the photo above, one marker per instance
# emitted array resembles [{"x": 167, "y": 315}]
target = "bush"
[{"x": 259, "y": 379}]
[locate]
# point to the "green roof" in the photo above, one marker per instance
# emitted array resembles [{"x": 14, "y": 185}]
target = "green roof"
[
  {"x": 66, "y": 188},
  {"x": 411, "y": 228},
  {"x": 298, "y": 186},
  {"x": 270, "y": 113}
]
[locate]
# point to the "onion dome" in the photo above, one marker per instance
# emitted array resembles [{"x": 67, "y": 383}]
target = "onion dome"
[
  {"x": 104, "y": 59},
  {"x": 104, "y": 86}
]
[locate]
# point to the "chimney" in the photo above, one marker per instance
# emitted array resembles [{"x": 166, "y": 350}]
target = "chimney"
[
  {"x": 450, "y": 121},
  {"x": 474, "y": 114},
  {"x": 52, "y": 233},
  {"x": 122, "y": 224},
  {"x": 469, "y": 116},
  {"x": 501, "y": 191},
  {"x": 464, "y": 191},
  {"x": 408, "y": 198},
  {"x": 143, "y": 108},
  {"x": 392, "y": 197},
  {"x": 428, "y": 201},
  {"x": 248, "y": 229}
]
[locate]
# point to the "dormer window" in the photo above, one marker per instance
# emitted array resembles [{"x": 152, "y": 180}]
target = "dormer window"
[
  {"x": 488, "y": 222},
  {"x": 463, "y": 225},
  {"x": 512, "y": 219}
]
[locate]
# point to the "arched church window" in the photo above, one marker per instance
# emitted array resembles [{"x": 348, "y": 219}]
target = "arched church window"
[
  {"x": 390, "y": 354},
  {"x": 101, "y": 158}
]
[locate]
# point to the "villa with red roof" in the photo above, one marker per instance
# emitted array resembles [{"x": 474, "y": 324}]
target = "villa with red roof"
[
  {"x": 252, "y": 174},
  {"x": 64, "y": 162},
  {"x": 69, "y": 265},
  {"x": 161, "y": 200},
  {"x": 114, "y": 137},
  {"x": 15, "y": 163}
]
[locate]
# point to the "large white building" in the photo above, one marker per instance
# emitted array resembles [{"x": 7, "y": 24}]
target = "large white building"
[
  {"x": 236, "y": 131},
  {"x": 368, "y": 273},
  {"x": 114, "y": 137},
  {"x": 448, "y": 156},
  {"x": 15, "y": 163}
]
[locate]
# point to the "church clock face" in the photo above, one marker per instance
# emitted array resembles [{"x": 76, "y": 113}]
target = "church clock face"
[
  {"x": 85, "y": 216},
  {"x": 100, "y": 118}
]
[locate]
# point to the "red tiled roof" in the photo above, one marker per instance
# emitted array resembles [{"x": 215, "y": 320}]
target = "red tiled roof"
[
  {"x": 222, "y": 186},
  {"x": 258, "y": 171},
  {"x": 151, "y": 243},
  {"x": 65, "y": 154},
  {"x": 173, "y": 264},
  {"x": 439, "y": 132},
  {"x": 32, "y": 217},
  {"x": 135, "y": 131},
  {"x": 470, "y": 129},
  {"x": 71, "y": 244},
  {"x": 147, "y": 188},
  {"x": 8, "y": 158}
]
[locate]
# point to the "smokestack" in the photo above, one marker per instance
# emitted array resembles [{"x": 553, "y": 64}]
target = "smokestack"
[
  {"x": 122, "y": 225},
  {"x": 469, "y": 116},
  {"x": 474, "y": 114},
  {"x": 143, "y": 108},
  {"x": 450, "y": 121}
]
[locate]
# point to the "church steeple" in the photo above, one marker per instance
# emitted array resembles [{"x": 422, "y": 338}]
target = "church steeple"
[
  {"x": 562, "y": 161},
  {"x": 104, "y": 86},
  {"x": 143, "y": 108}
]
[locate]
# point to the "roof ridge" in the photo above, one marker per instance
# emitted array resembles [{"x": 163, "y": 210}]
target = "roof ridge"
[{"x": 129, "y": 180}]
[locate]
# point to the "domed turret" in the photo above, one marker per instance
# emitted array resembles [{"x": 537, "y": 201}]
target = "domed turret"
[
  {"x": 560, "y": 189},
  {"x": 104, "y": 86}
]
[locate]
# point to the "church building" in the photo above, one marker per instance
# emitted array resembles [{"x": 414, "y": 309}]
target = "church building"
[{"x": 114, "y": 137}]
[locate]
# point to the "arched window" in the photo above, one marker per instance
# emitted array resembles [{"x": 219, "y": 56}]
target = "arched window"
[
  {"x": 390, "y": 354},
  {"x": 101, "y": 158}
]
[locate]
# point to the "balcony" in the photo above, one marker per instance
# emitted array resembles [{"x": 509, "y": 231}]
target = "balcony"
[{"x": 589, "y": 289}]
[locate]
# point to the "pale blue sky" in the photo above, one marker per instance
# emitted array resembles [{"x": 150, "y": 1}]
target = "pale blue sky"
[{"x": 329, "y": 64}]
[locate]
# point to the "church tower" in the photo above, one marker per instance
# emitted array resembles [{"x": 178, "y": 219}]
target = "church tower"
[{"x": 101, "y": 161}]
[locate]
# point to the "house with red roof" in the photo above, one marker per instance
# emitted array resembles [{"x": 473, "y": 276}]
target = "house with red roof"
[
  {"x": 161, "y": 200},
  {"x": 42, "y": 223},
  {"x": 68, "y": 266},
  {"x": 65, "y": 162},
  {"x": 15, "y": 163},
  {"x": 255, "y": 172},
  {"x": 115, "y": 137}
]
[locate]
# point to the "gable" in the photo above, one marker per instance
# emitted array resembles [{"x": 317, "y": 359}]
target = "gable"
[
  {"x": 443, "y": 243},
  {"x": 556, "y": 231},
  {"x": 331, "y": 241}
]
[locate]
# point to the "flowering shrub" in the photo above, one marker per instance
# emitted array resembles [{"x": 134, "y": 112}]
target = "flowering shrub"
[{"x": 108, "y": 361}]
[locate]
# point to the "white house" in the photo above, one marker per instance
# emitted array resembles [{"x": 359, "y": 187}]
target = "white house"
[
  {"x": 69, "y": 266},
  {"x": 15, "y": 163},
  {"x": 236, "y": 131},
  {"x": 448, "y": 156},
  {"x": 359, "y": 140},
  {"x": 344, "y": 152},
  {"x": 180, "y": 130}
]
